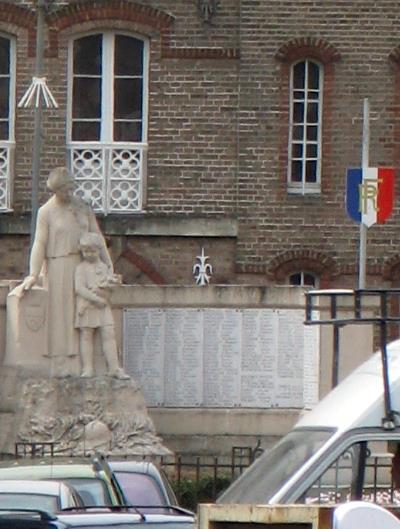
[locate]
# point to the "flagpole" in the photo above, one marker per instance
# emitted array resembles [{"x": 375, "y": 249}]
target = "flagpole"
[
  {"x": 37, "y": 134},
  {"x": 363, "y": 228}
]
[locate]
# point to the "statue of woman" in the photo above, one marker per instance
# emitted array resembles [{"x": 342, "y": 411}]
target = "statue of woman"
[{"x": 61, "y": 221}]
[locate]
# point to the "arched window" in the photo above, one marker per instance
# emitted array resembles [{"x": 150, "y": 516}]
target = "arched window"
[
  {"x": 107, "y": 126},
  {"x": 303, "y": 279},
  {"x": 7, "y": 114},
  {"x": 304, "y": 167}
]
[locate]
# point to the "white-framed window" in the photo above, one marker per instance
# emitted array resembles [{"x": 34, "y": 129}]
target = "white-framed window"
[
  {"x": 304, "y": 151},
  {"x": 107, "y": 119},
  {"x": 7, "y": 118},
  {"x": 303, "y": 279}
]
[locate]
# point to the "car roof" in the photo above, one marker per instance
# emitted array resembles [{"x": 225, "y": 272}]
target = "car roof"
[
  {"x": 67, "y": 470},
  {"x": 358, "y": 401},
  {"x": 43, "y": 470},
  {"x": 32, "y": 486},
  {"x": 140, "y": 467}
]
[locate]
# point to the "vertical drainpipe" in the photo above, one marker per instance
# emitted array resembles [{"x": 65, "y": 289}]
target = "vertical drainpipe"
[{"x": 37, "y": 133}]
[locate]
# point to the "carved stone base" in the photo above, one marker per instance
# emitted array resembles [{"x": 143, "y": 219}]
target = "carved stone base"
[{"x": 80, "y": 416}]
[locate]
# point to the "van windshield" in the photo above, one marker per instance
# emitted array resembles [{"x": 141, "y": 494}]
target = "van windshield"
[{"x": 263, "y": 479}]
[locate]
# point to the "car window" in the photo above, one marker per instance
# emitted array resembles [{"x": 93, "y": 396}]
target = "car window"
[
  {"x": 269, "y": 473},
  {"x": 169, "y": 490},
  {"x": 364, "y": 471},
  {"x": 16, "y": 500},
  {"x": 92, "y": 491},
  {"x": 140, "y": 489}
]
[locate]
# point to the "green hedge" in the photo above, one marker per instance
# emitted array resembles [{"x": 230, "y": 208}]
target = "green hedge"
[{"x": 190, "y": 492}]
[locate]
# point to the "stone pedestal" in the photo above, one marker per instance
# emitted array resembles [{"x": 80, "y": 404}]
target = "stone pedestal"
[
  {"x": 26, "y": 333},
  {"x": 76, "y": 416},
  {"x": 80, "y": 416}
]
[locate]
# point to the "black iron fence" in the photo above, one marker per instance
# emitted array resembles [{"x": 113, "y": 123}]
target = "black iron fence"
[
  {"x": 202, "y": 478},
  {"x": 194, "y": 477}
]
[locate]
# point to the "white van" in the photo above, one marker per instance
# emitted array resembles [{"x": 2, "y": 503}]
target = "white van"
[{"x": 339, "y": 451}]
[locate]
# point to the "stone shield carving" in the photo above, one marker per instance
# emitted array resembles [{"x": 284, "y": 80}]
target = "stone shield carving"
[{"x": 34, "y": 316}]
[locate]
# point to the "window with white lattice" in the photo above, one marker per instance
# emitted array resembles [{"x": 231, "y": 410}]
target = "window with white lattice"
[
  {"x": 304, "y": 159},
  {"x": 7, "y": 114},
  {"x": 107, "y": 125}
]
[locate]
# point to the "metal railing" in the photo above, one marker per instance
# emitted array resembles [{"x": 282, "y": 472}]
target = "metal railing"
[
  {"x": 205, "y": 475},
  {"x": 379, "y": 306}
]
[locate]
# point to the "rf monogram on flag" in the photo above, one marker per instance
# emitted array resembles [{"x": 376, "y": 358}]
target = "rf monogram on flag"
[{"x": 369, "y": 196}]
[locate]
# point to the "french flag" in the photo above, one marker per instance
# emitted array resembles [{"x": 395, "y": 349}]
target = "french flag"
[{"x": 369, "y": 194}]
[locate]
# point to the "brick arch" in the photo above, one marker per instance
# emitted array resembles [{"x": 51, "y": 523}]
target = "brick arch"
[
  {"x": 93, "y": 10},
  {"x": 144, "y": 265},
  {"x": 309, "y": 47},
  {"x": 20, "y": 17},
  {"x": 394, "y": 55},
  {"x": 17, "y": 15},
  {"x": 108, "y": 10},
  {"x": 306, "y": 260}
]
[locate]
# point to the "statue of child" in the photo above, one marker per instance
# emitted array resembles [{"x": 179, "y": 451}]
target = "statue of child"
[{"x": 93, "y": 311}]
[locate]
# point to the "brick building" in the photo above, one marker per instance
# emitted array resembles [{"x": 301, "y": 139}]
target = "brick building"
[{"x": 226, "y": 125}]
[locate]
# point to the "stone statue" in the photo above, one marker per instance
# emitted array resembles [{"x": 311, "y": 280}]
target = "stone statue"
[
  {"x": 63, "y": 301},
  {"x": 61, "y": 221},
  {"x": 93, "y": 313}
]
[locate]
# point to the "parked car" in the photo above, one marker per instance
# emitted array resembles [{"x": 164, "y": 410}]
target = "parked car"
[
  {"x": 93, "y": 480},
  {"x": 97, "y": 518},
  {"x": 135, "y": 518},
  {"x": 50, "y": 496},
  {"x": 29, "y": 519},
  {"x": 143, "y": 483},
  {"x": 346, "y": 448}
]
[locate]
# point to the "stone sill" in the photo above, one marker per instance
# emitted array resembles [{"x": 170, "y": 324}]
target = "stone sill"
[{"x": 140, "y": 225}]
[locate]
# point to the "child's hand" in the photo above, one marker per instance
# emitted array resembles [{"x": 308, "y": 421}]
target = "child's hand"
[
  {"x": 101, "y": 302},
  {"x": 115, "y": 279}
]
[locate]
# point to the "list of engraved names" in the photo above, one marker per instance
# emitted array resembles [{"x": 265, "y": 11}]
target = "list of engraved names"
[{"x": 258, "y": 358}]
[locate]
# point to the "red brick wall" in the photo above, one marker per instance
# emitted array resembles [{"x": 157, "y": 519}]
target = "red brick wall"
[
  {"x": 218, "y": 124},
  {"x": 363, "y": 35},
  {"x": 141, "y": 260}
]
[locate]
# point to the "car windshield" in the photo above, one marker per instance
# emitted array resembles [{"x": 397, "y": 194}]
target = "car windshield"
[
  {"x": 265, "y": 477},
  {"x": 16, "y": 500},
  {"x": 139, "y": 489},
  {"x": 92, "y": 491}
]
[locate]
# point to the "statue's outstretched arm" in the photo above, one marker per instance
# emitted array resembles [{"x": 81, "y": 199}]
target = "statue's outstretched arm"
[{"x": 38, "y": 252}]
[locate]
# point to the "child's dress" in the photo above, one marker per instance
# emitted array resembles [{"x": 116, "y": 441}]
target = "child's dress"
[{"x": 94, "y": 277}]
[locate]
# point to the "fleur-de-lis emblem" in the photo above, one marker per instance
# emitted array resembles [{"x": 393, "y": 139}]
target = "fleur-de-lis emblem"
[{"x": 202, "y": 271}]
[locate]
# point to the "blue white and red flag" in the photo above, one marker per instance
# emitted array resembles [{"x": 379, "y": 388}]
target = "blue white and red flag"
[{"x": 369, "y": 196}]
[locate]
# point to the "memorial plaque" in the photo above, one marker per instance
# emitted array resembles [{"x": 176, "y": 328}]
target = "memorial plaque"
[
  {"x": 144, "y": 356},
  {"x": 183, "y": 357},
  {"x": 258, "y": 358},
  {"x": 311, "y": 364}
]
